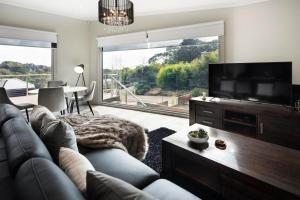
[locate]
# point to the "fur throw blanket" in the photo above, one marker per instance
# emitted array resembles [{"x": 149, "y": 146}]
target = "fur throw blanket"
[{"x": 106, "y": 131}]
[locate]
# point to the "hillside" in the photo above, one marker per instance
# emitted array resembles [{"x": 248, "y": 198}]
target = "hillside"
[{"x": 16, "y": 68}]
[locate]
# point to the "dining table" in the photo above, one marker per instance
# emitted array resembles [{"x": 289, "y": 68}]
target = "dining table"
[{"x": 67, "y": 90}]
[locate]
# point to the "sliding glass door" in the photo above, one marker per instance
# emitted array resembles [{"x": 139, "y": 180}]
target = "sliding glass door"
[{"x": 159, "y": 76}]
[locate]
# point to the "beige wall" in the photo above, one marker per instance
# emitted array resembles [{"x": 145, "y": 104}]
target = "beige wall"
[{"x": 73, "y": 46}]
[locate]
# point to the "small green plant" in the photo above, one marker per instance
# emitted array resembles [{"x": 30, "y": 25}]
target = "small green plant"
[{"x": 201, "y": 133}]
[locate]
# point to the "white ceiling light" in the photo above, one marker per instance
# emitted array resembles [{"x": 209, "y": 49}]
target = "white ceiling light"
[{"x": 88, "y": 9}]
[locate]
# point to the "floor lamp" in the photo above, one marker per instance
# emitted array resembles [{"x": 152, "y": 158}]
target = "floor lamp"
[{"x": 79, "y": 69}]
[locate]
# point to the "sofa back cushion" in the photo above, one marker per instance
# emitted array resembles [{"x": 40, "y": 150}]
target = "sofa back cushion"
[
  {"x": 22, "y": 143},
  {"x": 39, "y": 179},
  {"x": 8, "y": 112}
]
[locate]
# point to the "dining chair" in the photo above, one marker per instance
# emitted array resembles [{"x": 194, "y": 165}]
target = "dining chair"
[
  {"x": 4, "y": 99},
  {"x": 56, "y": 83},
  {"x": 53, "y": 99},
  {"x": 52, "y": 84},
  {"x": 87, "y": 97}
]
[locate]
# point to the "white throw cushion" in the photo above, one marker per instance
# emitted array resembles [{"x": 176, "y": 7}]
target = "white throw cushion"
[{"x": 75, "y": 165}]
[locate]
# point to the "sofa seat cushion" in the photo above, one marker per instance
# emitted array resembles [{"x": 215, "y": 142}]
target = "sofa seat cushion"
[
  {"x": 39, "y": 179},
  {"x": 166, "y": 190},
  {"x": 120, "y": 164},
  {"x": 22, "y": 143}
]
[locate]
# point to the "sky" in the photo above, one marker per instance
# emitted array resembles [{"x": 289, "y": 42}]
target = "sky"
[
  {"x": 115, "y": 59},
  {"x": 129, "y": 58},
  {"x": 133, "y": 58},
  {"x": 38, "y": 56}
]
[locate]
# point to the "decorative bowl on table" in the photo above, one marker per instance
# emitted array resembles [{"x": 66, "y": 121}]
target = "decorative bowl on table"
[{"x": 198, "y": 136}]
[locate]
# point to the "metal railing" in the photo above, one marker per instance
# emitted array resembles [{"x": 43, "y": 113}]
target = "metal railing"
[
  {"x": 28, "y": 79},
  {"x": 115, "y": 83}
]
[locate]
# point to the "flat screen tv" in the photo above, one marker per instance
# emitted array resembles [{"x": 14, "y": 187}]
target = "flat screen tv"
[{"x": 259, "y": 82}]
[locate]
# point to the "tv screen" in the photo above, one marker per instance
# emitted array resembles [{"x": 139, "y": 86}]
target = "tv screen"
[{"x": 261, "y": 82}]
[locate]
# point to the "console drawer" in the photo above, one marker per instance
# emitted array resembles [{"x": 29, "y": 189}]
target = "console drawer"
[
  {"x": 208, "y": 121},
  {"x": 208, "y": 111}
]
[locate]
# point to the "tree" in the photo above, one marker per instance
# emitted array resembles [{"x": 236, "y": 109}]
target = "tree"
[
  {"x": 140, "y": 74},
  {"x": 185, "y": 75},
  {"x": 187, "y": 51},
  {"x": 174, "y": 76}
]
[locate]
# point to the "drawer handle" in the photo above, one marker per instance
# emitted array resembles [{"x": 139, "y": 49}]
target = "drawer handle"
[
  {"x": 261, "y": 128},
  {"x": 207, "y": 122},
  {"x": 208, "y": 112}
]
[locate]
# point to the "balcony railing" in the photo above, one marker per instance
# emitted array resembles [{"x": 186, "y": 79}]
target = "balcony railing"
[{"x": 19, "y": 85}]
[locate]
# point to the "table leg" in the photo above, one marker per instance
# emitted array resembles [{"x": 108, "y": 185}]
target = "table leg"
[
  {"x": 67, "y": 102},
  {"x": 76, "y": 99}
]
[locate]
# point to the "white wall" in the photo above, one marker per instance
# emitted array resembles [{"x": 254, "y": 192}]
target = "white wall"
[
  {"x": 73, "y": 46},
  {"x": 268, "y": 31}
]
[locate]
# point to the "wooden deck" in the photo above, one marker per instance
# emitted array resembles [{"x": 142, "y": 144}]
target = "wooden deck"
[{"x": 147, "y": 120}]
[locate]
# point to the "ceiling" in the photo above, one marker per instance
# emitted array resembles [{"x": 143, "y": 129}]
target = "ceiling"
[{"x": 87, "y": 9}]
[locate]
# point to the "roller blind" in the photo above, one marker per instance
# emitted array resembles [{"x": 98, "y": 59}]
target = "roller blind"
[
  {"x": 182, "y": 32},
  {"x": 187, "y": 32},
  {"x": 27, "y": 34},
  {"x": 124, "y": 39}
]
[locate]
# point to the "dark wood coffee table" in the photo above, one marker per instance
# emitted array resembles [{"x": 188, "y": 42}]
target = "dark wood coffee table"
[{"x": 246, "y": 169}]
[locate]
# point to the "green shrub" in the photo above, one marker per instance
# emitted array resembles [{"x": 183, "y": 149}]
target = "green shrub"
[
  {"x": 141, "y": 88},
  {"x": 196, "y": 92}
]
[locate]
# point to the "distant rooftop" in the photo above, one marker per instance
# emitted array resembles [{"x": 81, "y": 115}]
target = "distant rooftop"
[{"x": 15, "y": 83}]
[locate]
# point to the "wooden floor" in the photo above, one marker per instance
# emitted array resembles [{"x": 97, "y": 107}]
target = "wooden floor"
[{"x": 147, "y": 120}]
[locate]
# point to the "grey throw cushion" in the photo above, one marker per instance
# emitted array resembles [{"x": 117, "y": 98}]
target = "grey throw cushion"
[
  {"x": 101, "y": 186},
  {"x": 56, "y": 134},
  {"x": 37, "y": 115}
]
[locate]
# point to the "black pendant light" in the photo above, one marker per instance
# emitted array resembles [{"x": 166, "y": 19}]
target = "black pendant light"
[{"x": 116, "y": 12}]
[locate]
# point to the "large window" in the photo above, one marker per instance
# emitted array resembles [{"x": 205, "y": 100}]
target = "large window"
[
  {"x": 162, "y": 76},
  {"x": 23, "y": 68}
]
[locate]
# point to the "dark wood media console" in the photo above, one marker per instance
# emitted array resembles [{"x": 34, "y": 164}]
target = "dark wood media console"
[
  {"x": 248, "y": 169},
  {"x": 270, "y": 123}
]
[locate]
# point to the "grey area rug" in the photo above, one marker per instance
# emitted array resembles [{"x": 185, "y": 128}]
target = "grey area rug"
[{"x": 153, "y": 157}]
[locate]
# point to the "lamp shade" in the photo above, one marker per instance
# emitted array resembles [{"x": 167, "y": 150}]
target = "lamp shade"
[{"x": 79, "y": 69}]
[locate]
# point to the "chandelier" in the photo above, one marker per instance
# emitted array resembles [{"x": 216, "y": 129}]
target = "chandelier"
[{"x": 116, "y": 12}]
